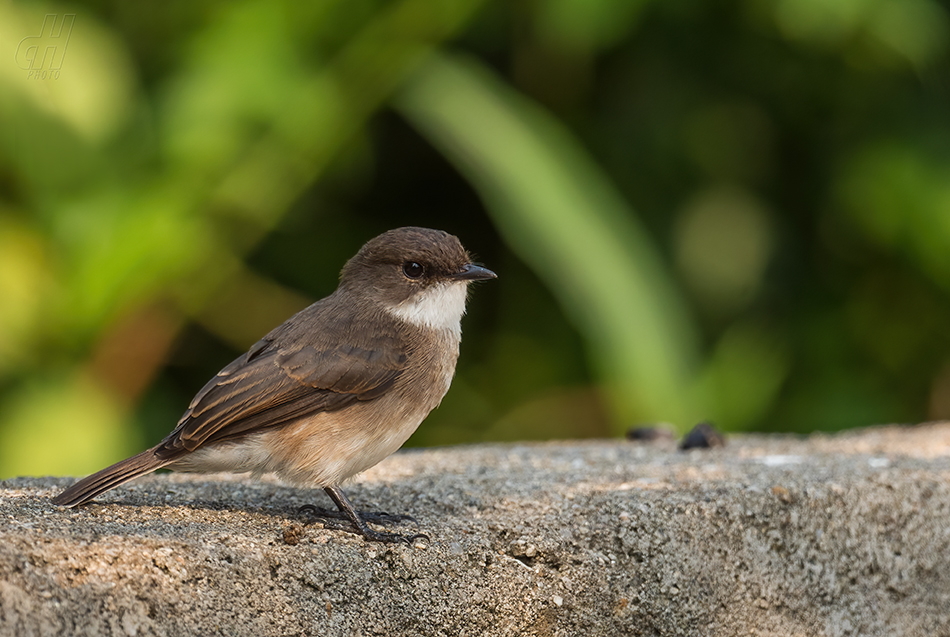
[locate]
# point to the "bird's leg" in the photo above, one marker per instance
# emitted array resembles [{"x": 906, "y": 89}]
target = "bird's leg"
[{"x": 348, "y": 512}]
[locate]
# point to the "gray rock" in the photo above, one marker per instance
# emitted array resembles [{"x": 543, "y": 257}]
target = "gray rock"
[{"x": 843, "y": 535}]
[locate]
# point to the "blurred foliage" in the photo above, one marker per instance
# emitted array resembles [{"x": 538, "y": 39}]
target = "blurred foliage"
[{"x": 736, "y": 210}]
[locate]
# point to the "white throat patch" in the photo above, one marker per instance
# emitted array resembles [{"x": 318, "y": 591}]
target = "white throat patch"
[{"x": 440, "y": 307}]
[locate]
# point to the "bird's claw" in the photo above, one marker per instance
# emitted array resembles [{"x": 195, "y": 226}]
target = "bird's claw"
[{"x": 377, "y": 517}]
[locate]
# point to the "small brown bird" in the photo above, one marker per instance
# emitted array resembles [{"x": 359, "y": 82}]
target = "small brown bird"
[{"x": 337, "y": 387}]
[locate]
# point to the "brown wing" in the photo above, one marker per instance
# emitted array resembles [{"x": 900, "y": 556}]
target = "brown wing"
[{"x": 274, "y": 384}]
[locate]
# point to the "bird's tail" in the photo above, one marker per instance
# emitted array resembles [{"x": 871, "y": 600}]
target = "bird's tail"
[{"x": 111, "y": 477}]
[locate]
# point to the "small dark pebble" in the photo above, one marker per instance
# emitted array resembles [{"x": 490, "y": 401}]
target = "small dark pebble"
[
  {"x": 649, "y": 434},
  {"x": 702, "y": 436}
]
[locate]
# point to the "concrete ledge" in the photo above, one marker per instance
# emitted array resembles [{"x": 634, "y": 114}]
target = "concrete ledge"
[{"x": 845, "y": 535}]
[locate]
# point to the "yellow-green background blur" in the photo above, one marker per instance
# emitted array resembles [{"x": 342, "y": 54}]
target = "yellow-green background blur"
[{"x": 736, "y": 210}]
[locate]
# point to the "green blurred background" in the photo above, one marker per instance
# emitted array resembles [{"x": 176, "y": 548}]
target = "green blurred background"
[{"x": 735, "y": 210}]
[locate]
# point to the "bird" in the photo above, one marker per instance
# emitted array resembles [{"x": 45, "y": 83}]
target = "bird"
[{"x": 337, "y": 387}]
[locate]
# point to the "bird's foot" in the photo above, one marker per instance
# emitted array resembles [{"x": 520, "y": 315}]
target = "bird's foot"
[{"x": 343, "y": 522}]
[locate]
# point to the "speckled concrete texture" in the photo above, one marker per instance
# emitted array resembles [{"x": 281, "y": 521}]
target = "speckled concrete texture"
[{"x": 826, "y": 535}]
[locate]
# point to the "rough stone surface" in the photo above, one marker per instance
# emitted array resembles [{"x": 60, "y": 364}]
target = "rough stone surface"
[{"x": 843, "y": 535}]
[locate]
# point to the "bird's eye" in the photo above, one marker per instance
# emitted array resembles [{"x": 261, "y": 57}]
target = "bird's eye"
[{"x": 413, "y": 270}]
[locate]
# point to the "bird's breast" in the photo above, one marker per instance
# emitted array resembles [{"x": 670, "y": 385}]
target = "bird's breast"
[{"x": 330, "y": 447}]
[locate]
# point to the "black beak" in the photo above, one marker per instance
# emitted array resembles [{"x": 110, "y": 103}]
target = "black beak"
[{"x": 472, "y": 272}]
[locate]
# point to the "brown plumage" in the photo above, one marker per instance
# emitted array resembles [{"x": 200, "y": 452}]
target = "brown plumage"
[{"x": 337, "y": 387}]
